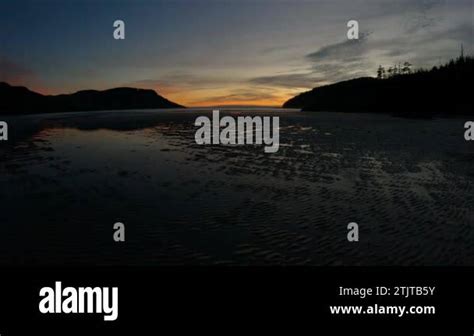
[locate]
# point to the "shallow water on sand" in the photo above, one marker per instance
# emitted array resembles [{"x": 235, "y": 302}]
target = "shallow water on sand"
[{"x": 67, "y": 178}]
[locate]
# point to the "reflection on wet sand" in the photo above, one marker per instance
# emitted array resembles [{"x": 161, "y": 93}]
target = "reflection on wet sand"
[{"x": 66, "y": 178}]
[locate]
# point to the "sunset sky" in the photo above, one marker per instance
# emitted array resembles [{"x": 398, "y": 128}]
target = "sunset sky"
[{"x": 202, "y": 53}]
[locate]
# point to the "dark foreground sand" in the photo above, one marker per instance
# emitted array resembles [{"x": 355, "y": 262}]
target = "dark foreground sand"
[{"x": 67, "y": 178}]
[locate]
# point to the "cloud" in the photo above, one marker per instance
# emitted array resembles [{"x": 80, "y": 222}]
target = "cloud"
[
  {"x": 422, "y": 16},
  {"x": 328, "y": 64},
  {"x": 463, "y": 32},
  {"x": 405, "y": 7},
  {"x": 182, "y": 86},
  {"x": 242, "y": 96},
  {"x": 342, "y": 60},
  {"x": 341, "y": 50},
  {"x": 278, "y": 49},
  {"x": 203, "y": 90},
  {"x": 354, "y": 58},
  {"x": 186, "y": 81},
  {"x": 418, "y": 22},
  {"x": 302, "y": 80}
]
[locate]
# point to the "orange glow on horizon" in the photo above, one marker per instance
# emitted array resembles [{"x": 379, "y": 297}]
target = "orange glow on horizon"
[
  {"x": 258, "y": 102},
  {"x": 195, "y": 97},
  {"x": 224, "y": 97}
]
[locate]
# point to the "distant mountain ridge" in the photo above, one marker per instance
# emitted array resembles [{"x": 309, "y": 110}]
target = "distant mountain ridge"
[
  {"x": 18, "y": 99},
  {"x": 442, "y": 90}
]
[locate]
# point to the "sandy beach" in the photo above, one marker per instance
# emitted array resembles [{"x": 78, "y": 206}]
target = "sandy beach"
[{"x": 67, "y": 178}]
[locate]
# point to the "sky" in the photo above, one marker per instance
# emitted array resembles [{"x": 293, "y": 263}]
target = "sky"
[{"x": 214, "y": 53}]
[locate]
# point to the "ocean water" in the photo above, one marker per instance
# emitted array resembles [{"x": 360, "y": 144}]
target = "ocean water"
[{"x": 67, "y": 178}]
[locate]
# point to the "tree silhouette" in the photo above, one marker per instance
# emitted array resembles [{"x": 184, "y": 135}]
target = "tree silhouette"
[
  {"x": 381, "y": 72},
  {"x": 395, "y": 70},
  {"x": 406, "y": 68},
  {"x": 390, "y": 72}
]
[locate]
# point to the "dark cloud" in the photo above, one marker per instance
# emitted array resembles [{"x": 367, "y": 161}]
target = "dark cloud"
[
  {"x": 304, "y": 80},
  {"x": 341, "y": 50},
  {"x": 328, "y": 64},
  {"x": 352, "y": 58},
  {"x": 342, "y": 60}
]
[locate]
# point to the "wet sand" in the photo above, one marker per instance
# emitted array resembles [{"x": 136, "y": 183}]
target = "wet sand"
[{"x": 67, "y": 178}]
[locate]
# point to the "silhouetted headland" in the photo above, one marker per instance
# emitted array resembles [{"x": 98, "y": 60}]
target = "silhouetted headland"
[
  {"x": 442, "y": 90},
  {"x": 18, "y": 99}
]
